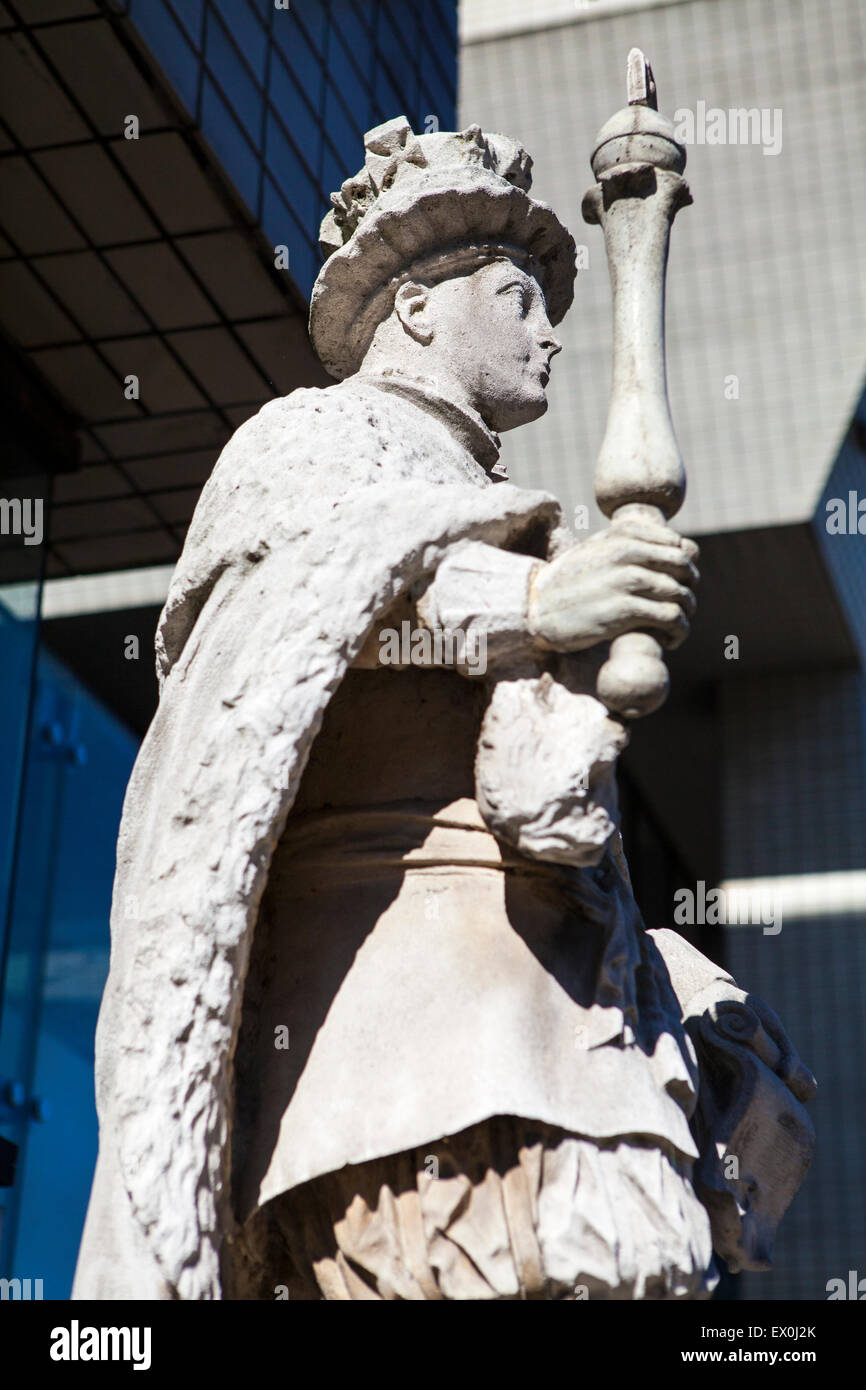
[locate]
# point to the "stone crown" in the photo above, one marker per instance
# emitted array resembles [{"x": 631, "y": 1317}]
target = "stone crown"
[{"x": 423, "y": 204}]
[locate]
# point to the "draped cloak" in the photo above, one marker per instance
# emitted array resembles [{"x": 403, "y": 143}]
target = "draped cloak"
[{"x": 321, "y": 512}]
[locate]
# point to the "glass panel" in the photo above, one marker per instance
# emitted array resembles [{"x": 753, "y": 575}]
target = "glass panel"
[
  {"x": 238, "y": 87},
  {"x": 354, "y": 33},
  {"x": 246, "y": 27},
  {"x": 299, "y": 54},
  {"x": 20, "y": 590},
  {"x": 189, "y": 12},
  {"x": 345, "y": 77},
  {"x": 79, "y": 761},
  {"x": 313, "y": 19},
  {"x": 282, "y": 228},
  {"x": 170, "y": 46},
  {"x": 346, "y": 137},
  {"x": 288, "y": 170},
  {"x": 295, "y": 113},
  {"x": 223, "y": 133}
]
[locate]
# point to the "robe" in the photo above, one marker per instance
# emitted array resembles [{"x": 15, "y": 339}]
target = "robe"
[{"x": 324, "y": 511}]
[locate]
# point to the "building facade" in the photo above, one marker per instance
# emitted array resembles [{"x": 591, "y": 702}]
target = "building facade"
[{"x": 756, "y": 769}]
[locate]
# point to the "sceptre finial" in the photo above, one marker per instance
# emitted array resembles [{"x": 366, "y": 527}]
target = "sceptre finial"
[{"x": 639, "y": 81}]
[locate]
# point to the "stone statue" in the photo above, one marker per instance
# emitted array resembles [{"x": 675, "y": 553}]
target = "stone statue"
[{"x": 382, "y": 1018}]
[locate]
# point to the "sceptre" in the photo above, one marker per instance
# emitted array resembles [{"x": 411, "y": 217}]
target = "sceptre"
[{"x": 638, "y": 165}]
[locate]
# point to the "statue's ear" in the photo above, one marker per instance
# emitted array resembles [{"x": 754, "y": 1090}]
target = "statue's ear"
[{"x": 412, "y": 307}]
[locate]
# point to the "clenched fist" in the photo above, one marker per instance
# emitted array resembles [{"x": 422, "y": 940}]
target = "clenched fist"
[{"x": 637, "y": 574}]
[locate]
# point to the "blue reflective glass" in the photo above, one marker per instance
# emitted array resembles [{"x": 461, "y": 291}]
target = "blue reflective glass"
[
  {"x": 18, "y": 628},
  {"x": 79, "y": 760},
  {"x": 355, "y": 35},
  {"x": 226, "y": 139},
  {"x": 440, "y": 106},
  {"x": 397, "y": 34},
  {"x": 294, "y": 112},
  {"x": 440, "y": 86},
  {"x": 287, "y": 169},
  {"x": 389, "y": 99},
  {"x": 337, "y": 166},
  {"x": 282, "y": 229},
  {"x": 299, "y": 54},
  {"x": 441, "y": 20},
  {"x": 238, "y": 87},
  {"x": 170, "y": 47},
  {"x": 246, "y": 28},
  {"x": 355, "y": 90},
  {"x": 346, "y": 135},
  {"x": 312, "y": 16},
  {"x": 189, "y": 12}
]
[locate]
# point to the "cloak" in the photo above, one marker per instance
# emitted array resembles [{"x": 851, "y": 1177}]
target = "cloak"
[{"x": 322, "y": 511}]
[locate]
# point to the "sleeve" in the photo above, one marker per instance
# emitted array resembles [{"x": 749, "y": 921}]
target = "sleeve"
[{"x": 482, "y": 592}]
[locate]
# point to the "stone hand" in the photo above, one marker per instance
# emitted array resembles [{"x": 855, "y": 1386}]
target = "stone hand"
[{"x": 637, "y": 574}]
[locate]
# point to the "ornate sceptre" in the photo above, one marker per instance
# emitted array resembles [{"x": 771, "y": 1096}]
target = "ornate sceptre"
[{"x": 638, "y": 165}]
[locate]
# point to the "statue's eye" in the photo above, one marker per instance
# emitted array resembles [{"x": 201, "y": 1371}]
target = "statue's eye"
[{"x": 519, "y": 293}]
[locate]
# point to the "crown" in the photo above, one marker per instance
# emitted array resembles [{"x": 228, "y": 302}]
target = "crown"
[
  {"x": 425, "y": 202},
  {"x": 394, "y": 152}
]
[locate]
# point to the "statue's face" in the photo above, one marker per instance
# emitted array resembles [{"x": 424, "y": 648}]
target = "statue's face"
[{"x": 491, "y": 331}]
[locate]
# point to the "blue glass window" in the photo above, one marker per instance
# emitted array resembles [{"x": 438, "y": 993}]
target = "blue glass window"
[
  {"x": 175, "y": 54},
  {"x": 336, "y": 167},
  {"x": 299, "y": 55},
  {"x": 312, "y": 16},
  {"x": 242, "y": 21},
  {"x": 229, "y": 144},
  {"x": 344, "y": 134},
  {"x": 294, "y": 112},
  {"x": 355, "y": 35},
  {"x": 188, "y": 12},
  {"x": 283, "y": 228},
  {"x": 397, "y": 35},
  {"x": 79, "y": 760},
  {"x": 237, "y": 85},
  {"x": 292, "y": 177},
  {"x": 355, "y": 90}
]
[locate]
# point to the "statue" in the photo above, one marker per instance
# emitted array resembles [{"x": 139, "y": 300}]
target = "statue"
[{"x": 382, "y": 1018}]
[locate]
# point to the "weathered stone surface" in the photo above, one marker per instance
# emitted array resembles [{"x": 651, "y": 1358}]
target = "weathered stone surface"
[{"x": 311, "y": 851}]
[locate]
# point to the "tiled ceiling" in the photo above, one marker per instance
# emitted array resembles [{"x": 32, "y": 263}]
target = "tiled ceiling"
[{"x": 129, "y": 257}]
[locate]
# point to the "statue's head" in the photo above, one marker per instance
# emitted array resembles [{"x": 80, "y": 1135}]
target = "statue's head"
[
  {"x": 481, "y": 334},
  {"x": 441, "y": 267}
]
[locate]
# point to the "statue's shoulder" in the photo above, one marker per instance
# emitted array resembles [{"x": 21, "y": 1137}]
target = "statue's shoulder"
[
  {"x": 310, "y": 423},
  {"x": 325, "y": 438},
  {"x": 325, "y": 404}
]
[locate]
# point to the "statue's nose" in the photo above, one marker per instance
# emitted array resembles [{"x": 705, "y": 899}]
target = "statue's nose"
[{"x": 551, "y": 345}]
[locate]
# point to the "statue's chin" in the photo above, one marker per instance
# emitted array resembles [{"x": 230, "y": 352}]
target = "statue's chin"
[{"x": 522, "y": 411}]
